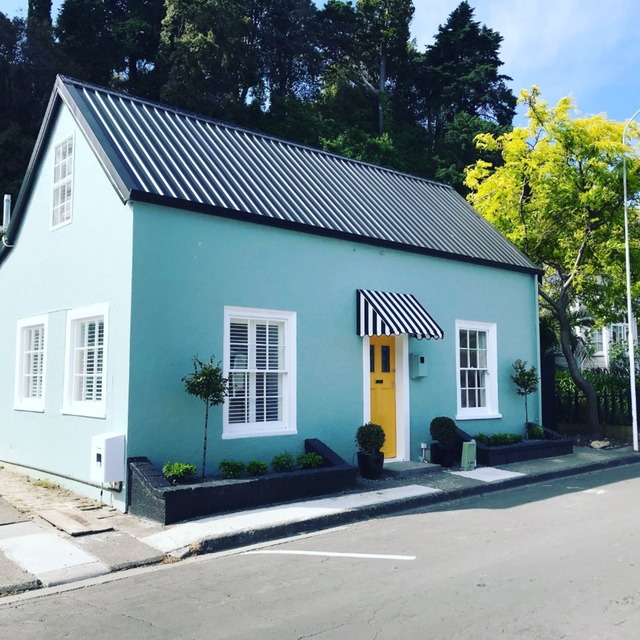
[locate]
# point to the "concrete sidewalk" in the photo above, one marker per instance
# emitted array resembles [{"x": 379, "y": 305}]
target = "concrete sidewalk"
[{"x": 51, "y": 536}]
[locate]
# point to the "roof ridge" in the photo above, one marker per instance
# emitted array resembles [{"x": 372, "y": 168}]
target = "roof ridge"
[{"x": 67, "y": 80}]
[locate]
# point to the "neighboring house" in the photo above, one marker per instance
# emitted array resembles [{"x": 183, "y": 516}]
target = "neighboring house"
[
  {"x": 601, "y": 341},
  {"x": 333, "y": 292}
]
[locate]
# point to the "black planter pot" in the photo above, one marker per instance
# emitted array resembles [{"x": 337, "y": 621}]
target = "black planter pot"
[
  {"x": 444, "y": 456},
  {"x": 370, "y": 465}
]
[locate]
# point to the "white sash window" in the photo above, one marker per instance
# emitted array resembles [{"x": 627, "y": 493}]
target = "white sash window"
[
  {"x": 62, "y": 183},
  {"x": 476, "y": 364},
  {"x": 259, "y": 362}
]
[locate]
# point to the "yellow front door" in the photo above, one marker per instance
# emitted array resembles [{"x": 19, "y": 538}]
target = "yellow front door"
[{"x": 383, "y": 389}]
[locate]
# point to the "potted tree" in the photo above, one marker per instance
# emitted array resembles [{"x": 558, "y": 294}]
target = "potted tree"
[
  {"x": 207, "y": 383},
  {"x": 526, "y": 381},
  {"x": 369, "y": 440},
  {"x": 444, "y": 436}
]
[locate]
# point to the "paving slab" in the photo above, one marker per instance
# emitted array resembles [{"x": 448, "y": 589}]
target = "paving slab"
[
  {"x": 487, "y": 474},
  {"x": 52, "y": 559},
  {"x": 74, "y": 521},
  {"x": 14, "y": 578},
  {"x": 119, "y": 550},
  {"x": 10, "y": 515}
]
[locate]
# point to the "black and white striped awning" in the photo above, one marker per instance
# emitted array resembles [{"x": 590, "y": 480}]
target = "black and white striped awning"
[{"x": 382, "y": 313}]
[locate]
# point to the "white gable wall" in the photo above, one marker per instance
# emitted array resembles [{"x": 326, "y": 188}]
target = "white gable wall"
[{"x": 52, "y": 273}]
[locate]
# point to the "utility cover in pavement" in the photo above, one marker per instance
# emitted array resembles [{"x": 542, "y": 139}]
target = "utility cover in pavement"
[{"x": 74, "y": 522}]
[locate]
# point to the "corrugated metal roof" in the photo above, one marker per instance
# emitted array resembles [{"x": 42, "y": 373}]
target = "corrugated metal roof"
[{"x": 154, "y": 152}]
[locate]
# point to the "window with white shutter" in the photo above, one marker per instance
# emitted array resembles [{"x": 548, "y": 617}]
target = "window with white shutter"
[
  {"x": 85, "y": 379},
  {"x": 30, "y": 364},
  {"x": 259, "y": 358}
]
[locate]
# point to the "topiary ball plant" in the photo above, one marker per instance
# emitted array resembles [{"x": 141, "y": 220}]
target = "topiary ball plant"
[
  {"x": 370, "y": 438},
  {"x": 444, "y": 430}
]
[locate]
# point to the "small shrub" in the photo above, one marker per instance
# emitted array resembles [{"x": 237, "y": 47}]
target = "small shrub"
[
  {"x": 370, "y": 438},
  {"x": 535, "y": 432},
  {"x": 444, "y": 430},
  {"x": 257, "y": 467},
  {"x": 283, "y": 462},
  {"x": 310, "y": 460},
  {"x": 497, "y": 439},
  {"x": 178, "y": 471},
  {"x": 231, "y": 469}
]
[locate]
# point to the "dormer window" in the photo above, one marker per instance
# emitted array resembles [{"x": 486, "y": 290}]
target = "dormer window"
[{"x": 62, "y": 183}]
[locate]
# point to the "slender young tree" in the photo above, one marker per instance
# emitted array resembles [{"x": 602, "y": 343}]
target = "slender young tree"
[{"x": 208, "y": 384}]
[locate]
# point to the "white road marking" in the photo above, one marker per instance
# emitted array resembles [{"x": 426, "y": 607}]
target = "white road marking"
[{"x": 331, "y": 554}]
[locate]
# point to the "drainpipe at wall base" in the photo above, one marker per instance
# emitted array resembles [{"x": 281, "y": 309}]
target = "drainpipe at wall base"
[{"x": 115, "y": 489}]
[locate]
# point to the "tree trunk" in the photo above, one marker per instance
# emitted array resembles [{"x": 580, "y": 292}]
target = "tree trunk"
[
  {"x": 381, "y": 89},
  {"x": 204, "y": 446},
  {"x": 593, "y": 421}
]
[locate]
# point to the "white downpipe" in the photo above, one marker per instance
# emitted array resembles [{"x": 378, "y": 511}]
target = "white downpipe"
[{"x": 6, "y": 211}]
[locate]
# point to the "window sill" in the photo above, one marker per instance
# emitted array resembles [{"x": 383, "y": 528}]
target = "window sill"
[
  {"x": 33, "y": 409},
  {"x": 229, "y": 433},
  {"x": 84, "y": 411},
  {"x": 479, "y": 416}
]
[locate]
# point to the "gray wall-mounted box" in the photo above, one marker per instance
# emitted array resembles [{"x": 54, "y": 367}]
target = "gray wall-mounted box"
[{"x": 417, "y": 365}]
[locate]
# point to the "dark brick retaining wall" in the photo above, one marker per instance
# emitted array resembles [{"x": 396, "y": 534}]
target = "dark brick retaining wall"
[
  {"x": 150, "y": 494},
  {"x": 554, "y": 445}
]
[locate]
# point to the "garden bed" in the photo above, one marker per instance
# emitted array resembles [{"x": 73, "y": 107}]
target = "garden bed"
[
  {"x": 152, "y": 496},
  {"x": 553, "y": 445}
]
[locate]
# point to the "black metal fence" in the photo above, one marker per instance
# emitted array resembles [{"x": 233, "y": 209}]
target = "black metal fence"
[{"x": 614, "y": 408}]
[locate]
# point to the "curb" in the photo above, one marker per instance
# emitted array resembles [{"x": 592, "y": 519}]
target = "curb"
[
  {"x": 267, "y": 534},
  {"x": 250, "y": 537}
]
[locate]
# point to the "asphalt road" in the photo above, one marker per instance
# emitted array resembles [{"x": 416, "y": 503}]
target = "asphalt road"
[{"x": 553, "y": 561}]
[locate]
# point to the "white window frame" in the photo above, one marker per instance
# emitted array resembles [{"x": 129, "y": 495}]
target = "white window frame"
[
  {"x": 491, "y": 409},
  {"x": 287, "y": 425},
  {"x": 22, "y": 400},
  {"x": 73, "y": 405},
  {"x": 597, "y": 339},
  {"x": 64, "y": 183}
]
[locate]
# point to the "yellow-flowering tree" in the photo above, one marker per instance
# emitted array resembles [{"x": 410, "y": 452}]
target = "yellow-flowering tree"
[{"x": 559, "y": 197}]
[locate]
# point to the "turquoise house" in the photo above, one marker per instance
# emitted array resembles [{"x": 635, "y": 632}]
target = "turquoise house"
[{"x": 333, "y": 292}]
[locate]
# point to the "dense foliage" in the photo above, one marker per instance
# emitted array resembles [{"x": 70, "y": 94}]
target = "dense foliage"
[
  {"x": 344, "y": 76},
  {"x": 557, "y": 195}
]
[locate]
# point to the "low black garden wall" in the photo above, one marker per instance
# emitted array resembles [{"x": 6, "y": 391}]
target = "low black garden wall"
[
  {"x": 553, "y": 445},
  {"x": 150, "y": 494}
]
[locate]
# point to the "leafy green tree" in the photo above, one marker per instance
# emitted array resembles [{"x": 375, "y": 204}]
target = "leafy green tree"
[
  {"x": 558, "y": 197},
  {"x": 209, "y": 56},
  {"x": 365, "y": 52},
  {"x": 208, "y": 384},
  {"x": 460, "y": 93},
  {"x": 286, "y": 35},
  {"x": 86, "y": 40},
  {"x": 384, "y": 39},
  {"x": 23, "y": 94},
  {"x": 40, "y": 61},
  {"x": 136, "y": 31}
]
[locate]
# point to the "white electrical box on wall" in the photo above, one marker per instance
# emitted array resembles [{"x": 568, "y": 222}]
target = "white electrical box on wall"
[
  {"x": 417, "y": 365},
  {"x": 107, "y": 457}
]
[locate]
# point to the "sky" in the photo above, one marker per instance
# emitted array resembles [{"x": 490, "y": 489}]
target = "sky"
[{"x": 587, "y": 49}]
